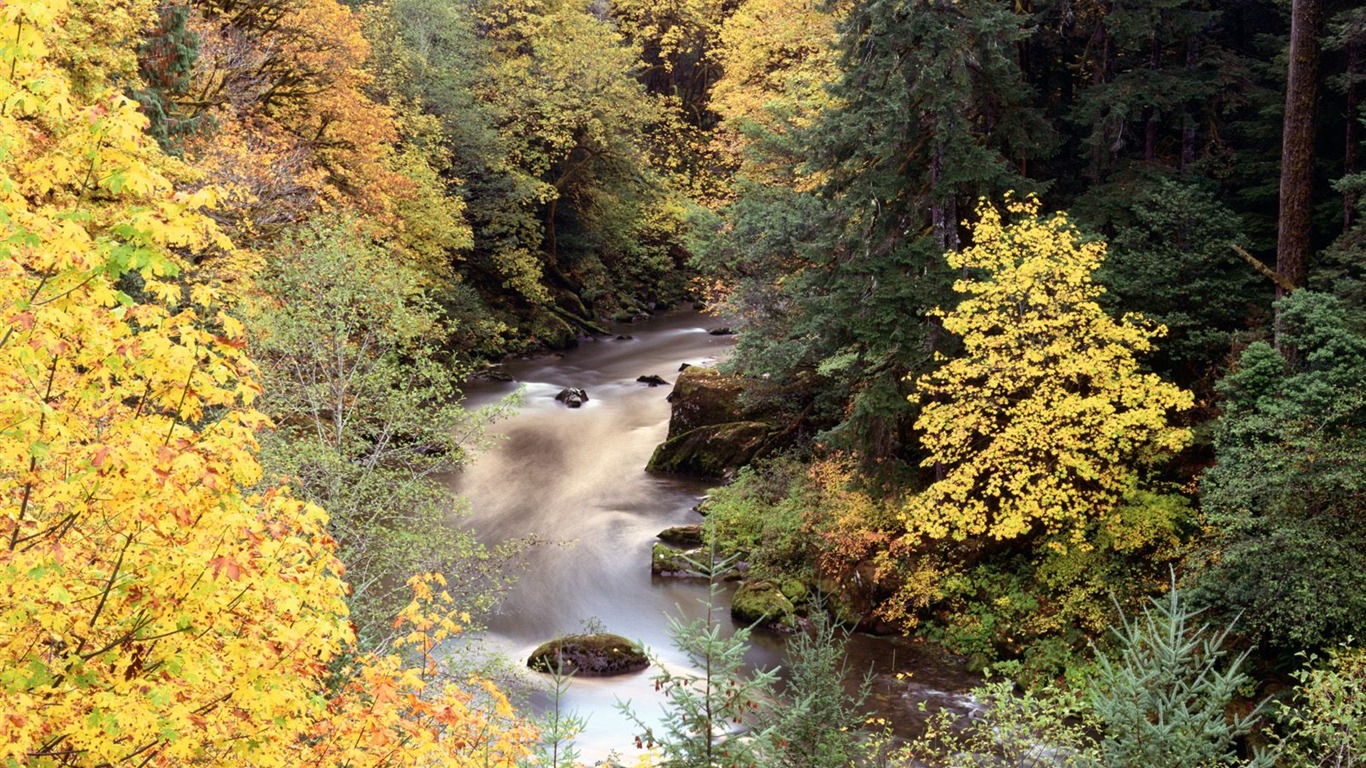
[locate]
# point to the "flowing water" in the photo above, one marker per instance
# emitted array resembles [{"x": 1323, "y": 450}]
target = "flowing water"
[{"x": 576, "y": 477}]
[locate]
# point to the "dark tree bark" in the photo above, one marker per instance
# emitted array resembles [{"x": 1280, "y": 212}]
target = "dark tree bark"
[
  {"x": 1188, "y": 129},
  {"x": 1150, "y": 112},
  {"x": 1297, "y": 143},
  {"x": 1349, "y": 161}
]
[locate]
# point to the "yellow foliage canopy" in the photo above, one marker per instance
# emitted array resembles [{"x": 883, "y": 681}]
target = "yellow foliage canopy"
[
  {"x": 152, "y": 611},
  {"x": 778, "y": 57},
  {"x": 1044, "y": 421},
  {"x": 287, "y": 85}
]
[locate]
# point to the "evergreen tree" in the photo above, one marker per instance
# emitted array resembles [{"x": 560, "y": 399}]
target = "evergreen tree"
[
  {"x": 1162, "y": 701},
  {"x": 1286, "y": 494},
  {"x": 709, "y": 705},
  {"x": 165, "y": 62},
  {"x": 931, "y": 113},
  {"x": 816, "y": 724}
]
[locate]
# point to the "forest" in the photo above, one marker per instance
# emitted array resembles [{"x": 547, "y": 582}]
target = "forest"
[{"x": 1054, "y": 311}]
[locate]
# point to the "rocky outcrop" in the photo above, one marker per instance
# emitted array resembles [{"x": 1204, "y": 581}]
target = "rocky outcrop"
[
  {"x": 709, "y": 431},
  {"x": 703, "y": 397},
  {"x": 712, "y": 451},
  {"x": 599, "y": 655}
]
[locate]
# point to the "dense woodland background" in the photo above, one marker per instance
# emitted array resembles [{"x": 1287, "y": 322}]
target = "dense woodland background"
[{"x": 252, "y": 250}]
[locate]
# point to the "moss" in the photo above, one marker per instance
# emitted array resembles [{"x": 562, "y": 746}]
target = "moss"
[
  {"x": 762, "y": 602},
  {"x": 665, "y": 559},
  {"x": 552, "y": 331},
  {"x": 795, "y": 591},
  {"x": 710, "y": 451},
  {"x": 599, "y": 655}
]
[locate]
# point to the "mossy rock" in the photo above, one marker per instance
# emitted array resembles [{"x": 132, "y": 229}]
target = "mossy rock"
[
  {"x": 711, "y": 451},
  {"x": 796, "y": 591},
  {"x": 685, "y": 536},
  {"x": 763, "y": 603},
  {"x": 599, "y": 655},
  {"x": 666, "y": 560},
  {"x": 570, "y": 304},
  {"x": 554, "y": 332},
  {"x": 702, "y": 397}
]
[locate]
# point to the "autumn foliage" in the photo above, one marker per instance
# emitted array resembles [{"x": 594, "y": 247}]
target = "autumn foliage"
[
  {"x": 155, "y": 607},
  {"x": 1041, "y": 426}
]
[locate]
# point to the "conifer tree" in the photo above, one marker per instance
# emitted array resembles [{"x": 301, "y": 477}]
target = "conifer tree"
[
  {"x": 708, "y": 707},
  {"x": 165, "y": 62},
  {"x": 932, "y": 112}
]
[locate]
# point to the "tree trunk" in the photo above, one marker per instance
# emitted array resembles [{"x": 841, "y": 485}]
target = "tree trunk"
[
  {"x": 1188, "y": 129},
  {"x": 1350, "y": 154},
  {"x": 1297, "y": 143},
  {"x": 1150, "y": 112},
  {"x": 552, "y": 246}
]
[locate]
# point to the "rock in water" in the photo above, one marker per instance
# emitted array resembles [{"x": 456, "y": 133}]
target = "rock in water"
[
  {"x": 572, "y": 397},
  {"x": 763, "y": 603},
  {"x": 598, "y": 655},
  {"x": 652, "y": 380},
  {"x": 670, "y": 561},
  {"x": 685, "y": 536}
]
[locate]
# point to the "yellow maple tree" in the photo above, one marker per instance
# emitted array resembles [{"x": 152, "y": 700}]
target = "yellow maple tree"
[
  {"x": 296, "y": 128},
  {"x": 778, "y": 57},
  {"x": 152, "y": 610},
  {"x": 1044, "y": 422}
]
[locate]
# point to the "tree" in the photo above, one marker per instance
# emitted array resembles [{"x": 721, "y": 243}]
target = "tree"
[
  {"x": 286, "y": 84},
  {"x": 165, "y": 62},
  {"x": 1286, "y": 493},
  {"x": 1160, "y": 699},
  {"x": 777, "y": 59},
  {"x": 369, "y": 417},
  {"x": 705, "y": 706},
  {"x": 1163, "y": 700},
  {"x": 1044, "y": 422},
  {"x": 815, "y": 724},
  {"x": 932, "y": 113},
  {"x": 1297, "y": 144},
  {"x": 1170, "y": 257},
  {"x": 154, "y": 610}
]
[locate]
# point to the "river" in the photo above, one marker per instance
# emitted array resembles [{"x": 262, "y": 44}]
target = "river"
[{"x": 576, "y": 478}]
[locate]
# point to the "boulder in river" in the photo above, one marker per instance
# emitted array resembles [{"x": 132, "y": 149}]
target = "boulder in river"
[
  {"x": 763, "y": 603},
  {"x": 722, "y": 331},
  {"x": 597, "y": 655},
  {"x": 652, "y": 380},
  {"x": 572, "y": 397},
  {"x": 686, "y": 536}
]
